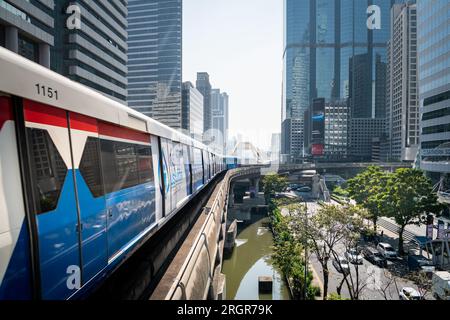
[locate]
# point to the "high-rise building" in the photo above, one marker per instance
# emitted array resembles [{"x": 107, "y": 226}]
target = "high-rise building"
[
  {"x": 204, "y": 86},
  {"x": 192, "y": 114},
  {"x": 292, "y": 144},
  {"x": 92, "y": 53},
  {"x": 336, "y": 130},
  {"x": 330, "y": 52},
  {"x": 434, "y": 87},
  {"x": 27, "y": 28},
  {"x": 326, "y": 130},
  {"x": 363, "y": 133},
  {"x": 220, "y": 116},
  {"x": 96, "y": 54},
  {"x": 402, "y": 113},
  {"x": 275, "y": 147},
  {"x": 155, "y": 59}
]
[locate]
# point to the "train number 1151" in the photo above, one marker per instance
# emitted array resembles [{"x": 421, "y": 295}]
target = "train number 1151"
[{"x": 46, "y": 91}]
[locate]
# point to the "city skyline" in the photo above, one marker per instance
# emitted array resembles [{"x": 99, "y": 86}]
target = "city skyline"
[
  {"x": 141, "y": 156},
  {"x": 250, "y": 41}
]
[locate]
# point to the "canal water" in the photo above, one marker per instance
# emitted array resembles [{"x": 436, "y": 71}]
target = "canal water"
[{"x": 249, "y": 260}]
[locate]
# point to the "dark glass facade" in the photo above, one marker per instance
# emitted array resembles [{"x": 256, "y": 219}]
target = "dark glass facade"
[
  {"x": 204, "y": 86},
  {"x": 155, "y": 59},
  {"x": 434, "y": 87},
  {"x": 331, "y": 53}
]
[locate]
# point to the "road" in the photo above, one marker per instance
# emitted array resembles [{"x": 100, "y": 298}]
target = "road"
[{"x": 376, "y": 283}]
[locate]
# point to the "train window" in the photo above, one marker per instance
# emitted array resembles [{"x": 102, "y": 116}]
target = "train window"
[
  {"x": 90, "y": 167},
  {"x": 145, "y": 164},
  {"x": 126, "y": 166},
  {"x": 48, "y": 170},
  {"x": 108, "y": 164}
]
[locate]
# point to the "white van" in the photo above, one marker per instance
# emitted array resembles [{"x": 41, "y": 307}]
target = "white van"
[
  {"x": 386, "y": 250},
  {"x": 441, "y": 285}
]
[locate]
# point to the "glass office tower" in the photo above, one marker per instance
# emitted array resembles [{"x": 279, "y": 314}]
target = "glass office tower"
[
  {"x": 331, "y": 53},
  {"x": 434, "y": 87},
  {"x": 155, "y": 59}
]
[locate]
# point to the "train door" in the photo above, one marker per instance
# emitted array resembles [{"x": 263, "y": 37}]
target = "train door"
[
  {"x": 159, "y": 181},
  {"x": 166, "y": 176},
  {"x": 206, "y": 166},
  {"x": 208, "y": 157},
  {"x": 197, "y": 169},
  {"x": 188, "y": 162},
  {"x": 52, "y": 199},
  {"x": 127, "y": 166},
  {"x": 90, "y": 193},
  {"x": 15, "y": 254},
  {"x": 179, "y": 169}
]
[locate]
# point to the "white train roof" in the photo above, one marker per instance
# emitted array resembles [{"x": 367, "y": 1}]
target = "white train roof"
[{"x": 19, "y": 76}]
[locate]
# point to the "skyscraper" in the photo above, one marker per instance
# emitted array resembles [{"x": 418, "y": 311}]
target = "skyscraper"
[
  {"x": 204, "y": 86},
  {"x": 331, "y": 53},
  {"x": 336, "y": 130},
  {"x": 96, "y": 54},
  {"x": 92, "y": 53},
  {"x": 403, "y": 101},
  {"x": 220, "y": 116},
  {"x": 28, "y": 29},
  {"x": 434, "y": 87},
  {"x": 155, "y": 59},
  {"x": 275, "y": 147},
  {"x": 192, "y": 114}
]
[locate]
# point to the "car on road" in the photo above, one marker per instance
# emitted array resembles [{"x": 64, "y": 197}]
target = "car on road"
[
  {"x": 408, "y": 293},
  {"x": 374, "y": 256},
  {"x": 387, "y": 250},
  {"x": 420, "y": 263},
  {"x": 354, "y": 256},
  {"x": 303, "y": 189},
  {"x": 441, "y": 285},
  {"x": 341, "y": 265}
]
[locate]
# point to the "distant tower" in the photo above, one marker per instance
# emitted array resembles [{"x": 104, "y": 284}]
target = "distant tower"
[
  {"x": 155, "y": 59},
  {"x": 403, "y": 101}
]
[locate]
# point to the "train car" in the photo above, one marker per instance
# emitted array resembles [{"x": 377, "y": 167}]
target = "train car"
[
  {"x": 84, "y": 181},
  {"x": 231, "y": 162}
]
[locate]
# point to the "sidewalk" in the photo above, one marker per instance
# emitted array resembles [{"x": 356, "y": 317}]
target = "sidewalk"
[{"x": 317, "y": 281}]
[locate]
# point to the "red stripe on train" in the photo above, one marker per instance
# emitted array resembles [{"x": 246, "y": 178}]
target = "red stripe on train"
[
  {"x": 40, "y": 113},
  {"x": 6, "y": 113},
  {"x": 83, "y": 123},
  {"x": 112, "y": 130}
]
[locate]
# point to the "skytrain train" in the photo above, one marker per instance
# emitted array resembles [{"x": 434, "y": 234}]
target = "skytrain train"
[{"x": 84, "y": 181}]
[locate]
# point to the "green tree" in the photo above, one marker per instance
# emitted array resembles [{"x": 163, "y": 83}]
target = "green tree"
[
  {"x": 408, "y": 195},
  {"x": 339, "y": 191},
  {"x": 323, "y": 231},
  {"x": 288, "y": 255},
  {"x": 367, "y": 189},
  {"x": 273, "y": 183},
  {"x": 335, "y": 296}
]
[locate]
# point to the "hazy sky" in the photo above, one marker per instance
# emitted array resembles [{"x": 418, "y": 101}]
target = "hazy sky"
[{"x": 240, "y": 44}]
